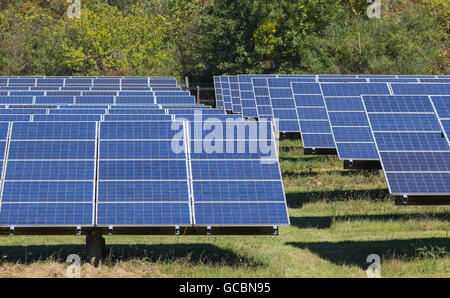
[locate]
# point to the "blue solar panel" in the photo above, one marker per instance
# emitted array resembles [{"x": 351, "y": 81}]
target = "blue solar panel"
[
  {"x": 16, "y": 99},
  {"x": 402, "y": 104},
  {"x": 26, "y": 93},
  {"x": 404, "y": 122},
  {"x": 240, "y": 214},
  {"x": 136, "y": 111},
  {"x": 53, "y": 131},
  {"x": 442, "y": 106},
  {"x": 142, "y": 191},
  {"x": 248, "y": 100},
  {"x": 354, "y": 89},
  {"x": 142, "y": 180},
  {"x": 54, "y": 100},
  {"x": 142, "y": 170},
  {"x": 68, "y": 118},
  {"x": 235, "y": 94},
  {"x": 135, "y": 100},
  {"x": 46, "y": 214},
  {"x": 414, "y": 155},
  {"x": 48, "y": 191},
  {"x": 240, "y": 184},
  {"x": 138, "y": 150},
  {"x": 174, "y": 99},
  {"x": 418, "y": 89},
  {"x": 242, "y": 191},
  {"x": 357, "y": 151},
  {"x": 50, "y": 170},
  {"x": 18, "y": 118},
  {"x": 76, "y": 111},
  {"x": 318, "y": 141},
  {"x": 135, "y": 214},
  {"x": 146, "y": 117},
  {"x": 49, "y": 176},
  {"x": 218, "y": 92},
  {"x": 413, "y": 141},
  {"x": 226, "y": 93},
  {"x": 138, "y": 130},
  {"x": 95, "y": 100},
  {"x": 209, "y": 118},
  {"x": 27, "y": 150},
  {"x": 358, "y": 119},
  {"x": 313, "y": 118}
]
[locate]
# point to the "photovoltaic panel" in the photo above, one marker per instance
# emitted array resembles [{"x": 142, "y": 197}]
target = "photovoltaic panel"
[
  {"x": 68, "y": 118},
  {"x": 350, "y": 127},
  {"x": 76, "y": 111},
  {"x": 50, "y": 173},
  {"x": 136, "y": 111},
  {"x": 22, "y": 111},
  {"x": 353, "y": 89},
  {"x": 142, "y": 181},
  {"x": 135, "y": 100},
  {"x": 421, "y": 89},
  {"x": 16, "y": 99},
  {"x": 312, "y": 115},
  {"x": 235, "y": 94},
  {"x": 274, "y": 99},
  {"x": 441, "y": 105},
  {"x": 247, "y": 94},
  {"x": 54, "y": 100},
  {"x": 414, "y": 155},
  {"x": 145, "y": 117},
  {"x": 208, "y": 118},
  {"x": 94, "y": 100},
  {"x": 17, "y": 118},
  {"x": 226, "y": 93},
  {"x": 174, "y": 99},
  {"x": 237, "y": 184}
]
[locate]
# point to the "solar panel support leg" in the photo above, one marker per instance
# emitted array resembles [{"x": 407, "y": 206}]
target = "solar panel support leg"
[
  {"x": 95, "y": 246},
  {"x": 11, "y": 231},
  {"x": 405, "y": 200},
  {"x": 208, "y": 230}
]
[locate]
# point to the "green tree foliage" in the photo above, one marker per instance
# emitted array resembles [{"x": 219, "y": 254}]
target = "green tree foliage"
[
  {"x": 37, "y": 40},
  {"x": 202, "y": 38}
]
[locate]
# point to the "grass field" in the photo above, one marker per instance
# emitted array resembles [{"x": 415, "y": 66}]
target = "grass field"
[{"x": 338, "y": 218}]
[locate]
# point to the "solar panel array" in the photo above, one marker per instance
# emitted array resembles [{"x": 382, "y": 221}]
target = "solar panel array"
[
  {"x": 414, "y": 154},
  {"x": 117, "y": 152},
  {"x": 328, "y": 110}
]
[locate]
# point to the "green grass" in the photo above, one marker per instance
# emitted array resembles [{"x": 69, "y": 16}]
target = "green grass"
[{"x": 338, "y": 218}]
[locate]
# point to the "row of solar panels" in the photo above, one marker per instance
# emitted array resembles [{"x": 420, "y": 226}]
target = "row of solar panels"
[
  {"x": 94, "y": 93},
  {"x": 110, "y": 88},
  {"x": 130, "y": 174},
  {"x": 85, "y": 81},
  {"x": 108, "y": 173},
  {"x": 92, "y": 100},
  {"x": 350, "y": 117},
  {"x": 246, "y": 93}
]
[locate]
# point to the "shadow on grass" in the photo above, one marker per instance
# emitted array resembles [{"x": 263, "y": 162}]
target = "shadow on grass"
[
  {"x": 356, "y": 252},
  {"x": 325, "y": 222},
  {"x": 294, "y": 175},
  {"x": 169, "y": 253},
  {"x": 297, "y": 199},
  {"x": 297, "y": 159}
]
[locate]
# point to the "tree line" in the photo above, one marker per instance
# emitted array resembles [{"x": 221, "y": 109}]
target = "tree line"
[{"x": 202, "y": 38}]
